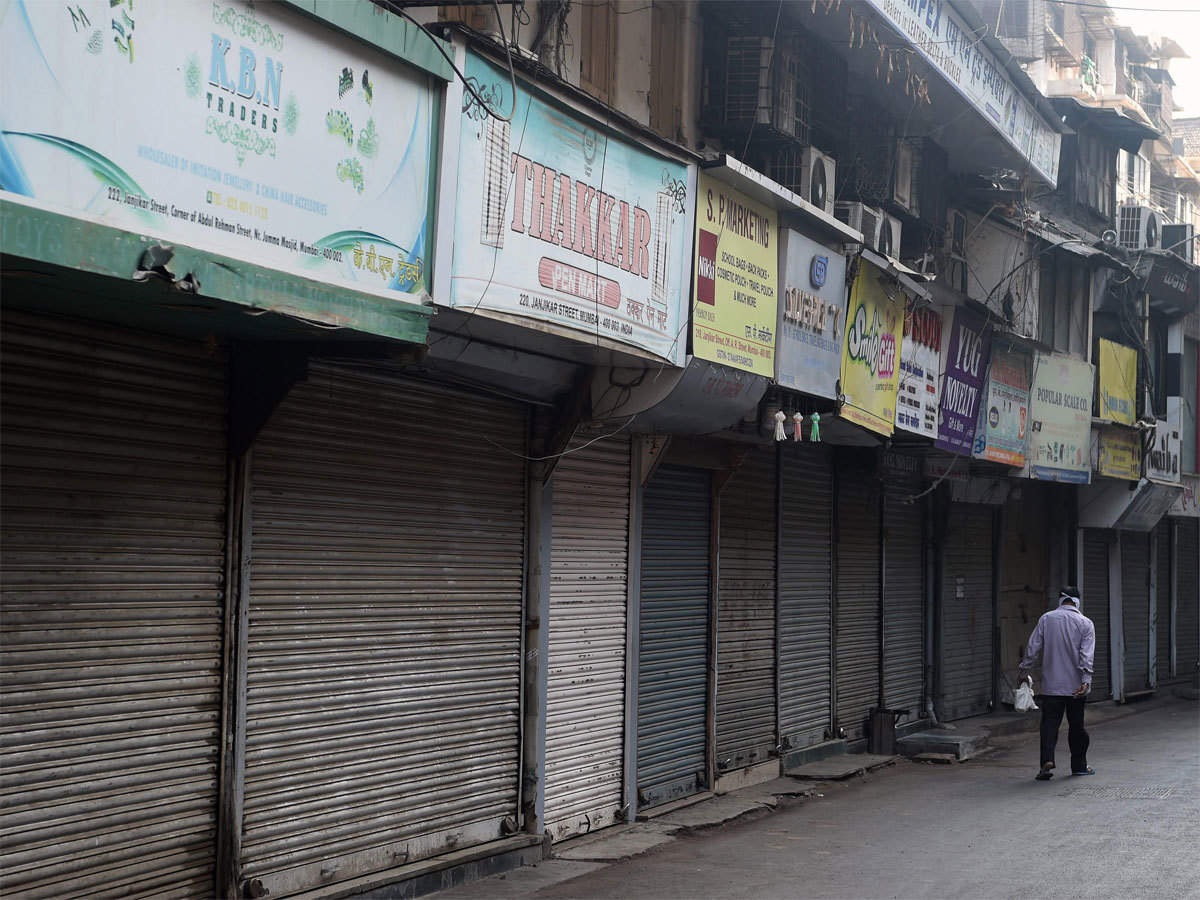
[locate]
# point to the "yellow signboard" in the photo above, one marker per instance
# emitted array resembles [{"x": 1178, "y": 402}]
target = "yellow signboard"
[
  {"x": 736, "y": 280},
  {"x": 871, "y": 352},
  {"x": 1118, "y": 382},
  {"x": 1120, "y": 453}
]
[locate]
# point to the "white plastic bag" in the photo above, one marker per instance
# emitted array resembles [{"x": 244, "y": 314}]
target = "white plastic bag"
[{"x": 1024, "y": 700}]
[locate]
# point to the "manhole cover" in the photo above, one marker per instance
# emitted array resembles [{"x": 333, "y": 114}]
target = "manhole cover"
[{"x": 1119, "y": 792}]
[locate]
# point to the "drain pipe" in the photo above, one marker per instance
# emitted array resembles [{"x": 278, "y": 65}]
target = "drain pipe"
[{"x": 930, "y": 588}]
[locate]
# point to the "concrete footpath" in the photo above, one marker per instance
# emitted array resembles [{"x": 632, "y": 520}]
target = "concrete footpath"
[{"x": 906, "y": 828}]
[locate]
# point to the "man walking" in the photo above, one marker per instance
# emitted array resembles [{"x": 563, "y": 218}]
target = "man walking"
[{"x": 1066, "y": 641}]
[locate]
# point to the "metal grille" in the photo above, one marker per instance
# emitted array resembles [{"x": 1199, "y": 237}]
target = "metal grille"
[
  {"x": 1135, "y": 609},
  {"x": 673, "y": 640},
  {"x": 1119, "y": 792},
  {"x": 966, "y": 614},
  {"x": 113, "y": 561},
  {"x": 1187, "y": 606},
  {"x": 746, "y": 615},
  {"x": 805, "y": 594},
  {"x": 495, "y": 182},
  {"x": 385, "y": 629},
  {"x": 585, "y": 706},
  {"x": 857, "y": 599},
  {"x": 1095, "y": 607},
  {"x": 903, "y": 599}
]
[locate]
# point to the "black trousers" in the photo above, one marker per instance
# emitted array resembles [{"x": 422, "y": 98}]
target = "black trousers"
[{"x": 1053, "y": 708}]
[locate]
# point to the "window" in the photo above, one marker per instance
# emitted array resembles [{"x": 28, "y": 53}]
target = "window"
[
  {"x": 666, "y": 32},
  {"x": 1064, "y": 300},
  {"x": 598, "y": 47}
]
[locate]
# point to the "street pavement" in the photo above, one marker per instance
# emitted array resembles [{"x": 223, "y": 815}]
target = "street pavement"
[{"x": 980, "y": 829}]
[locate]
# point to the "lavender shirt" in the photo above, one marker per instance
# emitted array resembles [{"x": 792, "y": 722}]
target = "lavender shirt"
[{"x": 1066, "y": 640}]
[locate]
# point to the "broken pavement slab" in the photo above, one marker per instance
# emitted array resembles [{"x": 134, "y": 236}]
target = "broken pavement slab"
[
  {"x": 838, "y": 768},
  {"x": 617, "y": 843}
]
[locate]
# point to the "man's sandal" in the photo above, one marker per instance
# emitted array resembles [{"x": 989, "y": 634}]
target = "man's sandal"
[
  {"x": 1088, "y": 771},
  {"x": 1045, "y": 774}
]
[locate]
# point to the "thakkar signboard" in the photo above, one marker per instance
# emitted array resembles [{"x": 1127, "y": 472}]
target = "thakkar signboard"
[
  {"x": 559, "y": 221},
  {"x": 245, "y": 130},
  {"x": 1060, "y": 413},
  {"x": 812, "y": 315},
  {"x": 737, "y": 276}
]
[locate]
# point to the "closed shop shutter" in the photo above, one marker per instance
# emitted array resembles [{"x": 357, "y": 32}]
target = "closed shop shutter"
[
  {"x": 673, "y": 638},
  {"x": 857, "y": 600},
  {"x": 385, "y": 628},
  {"x": 805, "y": 595},
  {"x": 585, "y": 707},
  {"x": 746, "y": 615},
  {"x": 113, "y": 569},
  {"x": 1162, "y": 627},
  {"x": 966, "y": 614},
  {"x": 1095, "y": 607},
  {"x": 1187, "y": 604},
  {"x": 903, "y": 600},
  {"x": 1135, "y": 609}
]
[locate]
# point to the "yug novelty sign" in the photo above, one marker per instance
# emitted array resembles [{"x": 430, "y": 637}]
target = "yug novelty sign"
[
  {"x": 561, "y": 222},
  {"x": 962, "y": 384},
  {"x": 244, "y": 130}
]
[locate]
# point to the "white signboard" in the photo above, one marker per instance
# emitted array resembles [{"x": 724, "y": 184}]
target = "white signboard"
[
  {"x": 919, "y": 392},
  {"x": 560, "y": 222},
  {"x": 245, "y": 130},
  {"x": 812, "y": 315},
  {"x": 941, "y": 36},
  {"x": 1162, "y": 460}
]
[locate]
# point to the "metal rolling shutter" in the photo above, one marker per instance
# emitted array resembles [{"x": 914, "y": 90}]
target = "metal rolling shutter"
[
  {"x": 1187, "y": 603},
  {"x": 585, "y": 707},
  {"x": 857, "y": 600},
  {"x": 903, "y": 601},
  {"x": 1162, "y": 628},
  {"x": 385, "y": 628},
  {"x": 1095, "y": 607},
  {"x": 113, "y": 562},
  {"x": 805, "y": 595},
  {"x": 746, "y": 615},
  {"x": 967, "y": 612},
  {"x": 1135, "y": 609},
  {"x": 673, "y": 639}
]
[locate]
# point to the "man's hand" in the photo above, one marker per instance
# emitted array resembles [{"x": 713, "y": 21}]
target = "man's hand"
[{"x": 1081, "y": 690}]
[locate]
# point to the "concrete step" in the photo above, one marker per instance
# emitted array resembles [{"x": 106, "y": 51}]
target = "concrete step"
[
  {"x": 962, "y": 744},
  {"x": 837, "y": 768},
  {"x": 793, "y": 758}
]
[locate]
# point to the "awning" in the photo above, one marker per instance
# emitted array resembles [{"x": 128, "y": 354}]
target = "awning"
[
  {"x": 1108, "y": 503},
  {"x": 1083, "y": 247},
  {"x": 909, "y": 279},
  {"x": 788, "y": 204},
  {"x": 1128, "y": 133}
]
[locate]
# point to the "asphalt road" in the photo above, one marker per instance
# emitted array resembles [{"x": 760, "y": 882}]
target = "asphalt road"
[{"x": 980, "y": 829}]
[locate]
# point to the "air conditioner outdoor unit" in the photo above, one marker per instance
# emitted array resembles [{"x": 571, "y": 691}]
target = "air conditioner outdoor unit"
[
  {"x": 888, "y": 240},
  {"x": 902, "y": 184},
  {"x": 1137, "y": 228},
  {"x": 817, "y": 170},
  {"x": 862, "y": 218},
  {"x": 1180, "y": 240}
]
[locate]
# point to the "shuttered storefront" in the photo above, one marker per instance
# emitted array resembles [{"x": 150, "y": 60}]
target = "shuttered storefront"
[
  {"x": 805, "y": 595},
  {"x": 1095, "y": 607},
  {"x": 585, "y": 707},
  {"x": 1162, "y": 600},
  {"x": 673, "y": 636},
  {"x": 1135, "y": 609},
  {"x": 857, "y": 662},
  {"x": 1187, "y": 605},
  {"x": 966, "y": 613},
  {"x": 903, "y": 598},
  {"x": 113, "y": 569},
  {"x": 385, "y": 628},
  {"x": 746, "y": 615}
]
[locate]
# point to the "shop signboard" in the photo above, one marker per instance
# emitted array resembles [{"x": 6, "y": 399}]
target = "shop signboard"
[
  {"x": 559, "y": 221},
  {"x": 871, "y": 351},
  {"x": 965, "y": 365},
  {"x": 812, "y": 315},
  {"x": 940, "y": 35},
  {"x": 1188, "y": 502},
  {"x": 920, "y": 365},
  {"x": 736, "y": 279},
  {"x": 1118, "y": 382},
  {"x": 1118, "y": 453},
  {"x": 246, "y": 130},
  {"x": 1162, "y": 458},
  {"x": 1003, "y": 428},
  {"x": 1060, "y": 414}
]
